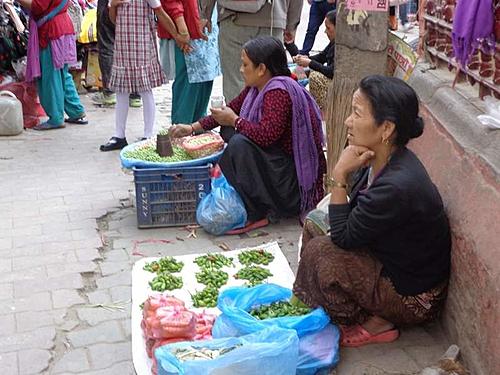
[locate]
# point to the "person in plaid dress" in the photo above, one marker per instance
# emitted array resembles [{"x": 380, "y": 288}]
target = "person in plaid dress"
[{"x": 135, "y": 62}]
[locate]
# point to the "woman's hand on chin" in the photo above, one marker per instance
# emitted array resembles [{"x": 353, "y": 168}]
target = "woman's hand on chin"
[
  {"x": 180, "y": 130},
  {"x": 351, "y": 159},
  {"x": 224, "y": 116}
]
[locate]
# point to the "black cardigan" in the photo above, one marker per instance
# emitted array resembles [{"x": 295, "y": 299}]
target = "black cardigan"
[
  {"x": 327, "y": 56},
  {"x": 401, "y": 219},
  {"x": 318, "y": 61}
]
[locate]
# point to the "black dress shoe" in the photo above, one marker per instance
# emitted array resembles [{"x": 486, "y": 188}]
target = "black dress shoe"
[{"x": 114, "y": 143}]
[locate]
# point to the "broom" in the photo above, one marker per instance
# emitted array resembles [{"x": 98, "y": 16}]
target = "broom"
[{"x": 338, "y": 109}]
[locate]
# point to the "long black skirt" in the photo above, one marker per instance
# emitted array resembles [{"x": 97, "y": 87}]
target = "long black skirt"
[{"x": 265, "y": 178}]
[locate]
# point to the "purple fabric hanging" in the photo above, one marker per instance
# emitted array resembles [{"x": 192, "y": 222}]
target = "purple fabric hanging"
[
  {"x": 472, "y": 22},
  {"x": 305, "y": 153}
]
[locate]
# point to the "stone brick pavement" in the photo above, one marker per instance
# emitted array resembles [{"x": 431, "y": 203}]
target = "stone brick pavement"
[{"x": 67, "y": 233}]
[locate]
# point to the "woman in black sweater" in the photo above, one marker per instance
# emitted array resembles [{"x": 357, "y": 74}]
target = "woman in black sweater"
[
  {"x": 386, "y": 262},
  {"x": 321, "y": 65}
]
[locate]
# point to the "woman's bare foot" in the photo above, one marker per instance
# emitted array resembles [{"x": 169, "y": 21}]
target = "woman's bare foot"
[{"x": 375, "y": 325}]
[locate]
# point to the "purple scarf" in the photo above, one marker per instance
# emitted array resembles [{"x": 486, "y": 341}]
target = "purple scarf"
[
  {"x": 63, "y": 49},
  {"x": 305, "y": 151},
  {"x": 473, "y": 20}
]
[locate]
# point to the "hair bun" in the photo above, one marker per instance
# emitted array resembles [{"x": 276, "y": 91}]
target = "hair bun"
[{"x": 418, "y": 128}]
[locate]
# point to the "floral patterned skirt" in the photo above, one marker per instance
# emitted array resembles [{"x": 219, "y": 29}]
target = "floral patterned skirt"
[{"x": 350, "y": 286}]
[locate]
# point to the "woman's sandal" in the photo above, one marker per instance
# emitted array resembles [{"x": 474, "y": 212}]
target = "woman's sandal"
[
  {"x": 77, "y": 121},
  {"x": 46, "y": 126},
  {"x": 250, "y": 226},
  {"x": 357, "y": 336}
]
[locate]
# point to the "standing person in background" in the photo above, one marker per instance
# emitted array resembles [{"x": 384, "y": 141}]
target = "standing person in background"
[
  {"x": 135, "y": 61},
  {"x": 317, "y": 13},
  {"x": 189, "y": 100},
  {"x": 105, "y": 45},
  {"x": 279, "y": 19},
  {"x": 51, "y": 48}
]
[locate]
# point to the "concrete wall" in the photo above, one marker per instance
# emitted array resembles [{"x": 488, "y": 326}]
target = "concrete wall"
[{"x": 463, "y": 159}]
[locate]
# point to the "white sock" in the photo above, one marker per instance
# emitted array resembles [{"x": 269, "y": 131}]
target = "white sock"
[
  {"x": 121, "y": 114},
  {"x": 148, "y": 112}
]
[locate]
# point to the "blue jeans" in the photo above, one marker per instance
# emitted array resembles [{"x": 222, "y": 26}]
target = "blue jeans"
[
  {"x": 317, "y": 14},
  {"x": 403, "y": 13}
]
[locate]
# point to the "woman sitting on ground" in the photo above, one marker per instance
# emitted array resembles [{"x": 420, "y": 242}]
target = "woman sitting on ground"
[
  {"x": 274, "y": 157},
  {"x": 321, "y": 65},
  {"x": 386, "y": 262}
]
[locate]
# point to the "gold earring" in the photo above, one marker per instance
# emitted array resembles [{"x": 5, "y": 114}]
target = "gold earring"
[{"x": 386, "y": 141}]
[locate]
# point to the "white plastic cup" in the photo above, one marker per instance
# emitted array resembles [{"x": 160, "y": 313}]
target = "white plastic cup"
[{"x": 217, "y": 101}]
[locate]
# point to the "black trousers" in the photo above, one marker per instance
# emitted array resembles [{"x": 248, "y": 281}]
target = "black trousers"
[{"x": 265, "y": 178}]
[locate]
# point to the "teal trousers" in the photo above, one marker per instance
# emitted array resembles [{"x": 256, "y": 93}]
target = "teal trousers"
[
  {"x": 189, "y": 100},
  {"x": 57, "y": 91}
]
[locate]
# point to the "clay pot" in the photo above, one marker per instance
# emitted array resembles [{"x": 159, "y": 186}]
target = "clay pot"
[{"x": 163, "y": 145}]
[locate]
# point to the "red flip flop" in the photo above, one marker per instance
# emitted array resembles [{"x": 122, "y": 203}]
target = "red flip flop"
[
  {"x": 357, "y": 336},
  {"x": 250, "y": 226}
]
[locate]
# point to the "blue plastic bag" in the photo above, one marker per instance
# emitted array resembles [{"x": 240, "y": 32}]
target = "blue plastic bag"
[
  {"x": 222, "y": 209},
  {"x": 318, "y": 340},
  {"x": 273, "y": 351},
  {"x": 319, "y": 350},
  {"x": 235, "y": 319}
]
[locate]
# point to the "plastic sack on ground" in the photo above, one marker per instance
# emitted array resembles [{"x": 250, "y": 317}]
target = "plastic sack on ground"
[
  {"x": 273, "y": 351},
  {"x": 222, "y": 209},
  {"x": 318, "y": 350},
  {"x": 492, "y": 119},
  {"x": 26, "y": 92}
]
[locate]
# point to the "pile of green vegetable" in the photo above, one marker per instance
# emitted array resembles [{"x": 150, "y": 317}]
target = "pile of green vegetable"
[
  {"x": 256, "y": 256},
  {"x": 212, "y": 276},
  {"x": 169, "y": 264},
  {"x": 214, "y": 261},
  {"x": 164, "y": 279},
  {"x": 278, "y": 310},
  {"x": 254, "y": 274},
  {"x": 206, "y": 297},
  {"x": 148, "y": 153}
]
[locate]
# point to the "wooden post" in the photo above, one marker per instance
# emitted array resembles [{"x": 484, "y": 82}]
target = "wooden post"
[{"x": 360, "y": 50}]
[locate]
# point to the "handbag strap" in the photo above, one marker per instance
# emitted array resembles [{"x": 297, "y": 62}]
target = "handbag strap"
[{"x": 52, "y": 14}]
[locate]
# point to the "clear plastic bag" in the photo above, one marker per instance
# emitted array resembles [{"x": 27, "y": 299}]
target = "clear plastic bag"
[
  {"x": 222, "y": 209},
  {"x": 272, "y": 351},
  {"x": 492, "y": 119},
  {"x": 319, "y": 350}
]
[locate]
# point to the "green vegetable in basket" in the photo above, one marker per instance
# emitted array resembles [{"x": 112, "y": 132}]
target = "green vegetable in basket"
[
  {"x": 254, "y": 274},
  {"x": 213, "y": 278},
  {"x": 213, "y": 261},
  {"x": 206, "y": 297},
  {"x": 148, "y": 153},
  {"x": 166, "y": 281},
  {"x": 168, "y": 264},
  {"x": 256, "y": 256},
  {"x": 278, "y": 310}
]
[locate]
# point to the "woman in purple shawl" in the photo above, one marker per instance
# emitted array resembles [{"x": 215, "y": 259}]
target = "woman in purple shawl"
[{"x": 274, "y": 157}]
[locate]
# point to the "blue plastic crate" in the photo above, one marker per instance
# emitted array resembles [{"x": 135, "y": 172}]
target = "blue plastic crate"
[{"x": 167, "y": 197}]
